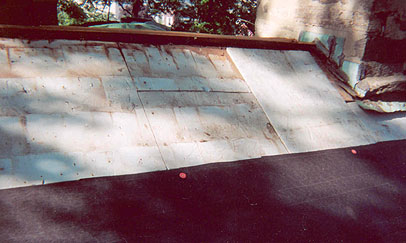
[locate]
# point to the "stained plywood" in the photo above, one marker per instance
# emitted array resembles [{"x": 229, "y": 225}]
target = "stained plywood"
[
  {"x": 202, "y": 127},
  {"x": 305, "y": 109},
  {"x": 182, "y": 68},
  {"x": 21, "y": 59},
  {"x": 385, "y": 127},
  {"x": 79, "y": 115},
  {"x": 86, "y": 109},
  {"x": 50, "y": 95}
]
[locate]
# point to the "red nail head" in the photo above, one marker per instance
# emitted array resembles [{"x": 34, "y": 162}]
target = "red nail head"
[
  {"x": 353, "y": 151},
  {"x": 182, "y": 175}
]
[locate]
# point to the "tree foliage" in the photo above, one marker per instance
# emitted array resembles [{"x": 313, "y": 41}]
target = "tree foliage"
[
  {"x": 216, "y": 16},
  {"x": 72, "y": 12},
  {"x": 206, "y": 16}
]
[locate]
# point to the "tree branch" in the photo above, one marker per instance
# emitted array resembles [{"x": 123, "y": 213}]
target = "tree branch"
[{"x": 122, "y": 7}]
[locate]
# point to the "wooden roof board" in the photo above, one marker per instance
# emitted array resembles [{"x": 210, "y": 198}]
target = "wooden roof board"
[{"x": 148, "y": 37}]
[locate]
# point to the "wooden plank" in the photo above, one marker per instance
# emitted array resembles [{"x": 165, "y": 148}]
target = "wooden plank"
[
  {"x": 206, "y": 127},
  {"x": 302, "y": 105},
  {"x": 148, "y": 36}
]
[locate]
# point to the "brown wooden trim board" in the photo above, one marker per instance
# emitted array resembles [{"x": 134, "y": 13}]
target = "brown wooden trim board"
[{"x": 148, "y": 37}]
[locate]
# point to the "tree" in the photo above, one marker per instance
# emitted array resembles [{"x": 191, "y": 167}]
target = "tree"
[
  {"x": 72, "y": 12},
  {"x": 225, "y": 17}
]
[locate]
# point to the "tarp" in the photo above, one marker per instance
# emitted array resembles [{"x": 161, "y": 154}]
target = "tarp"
[{"x": 149, "y": 25}]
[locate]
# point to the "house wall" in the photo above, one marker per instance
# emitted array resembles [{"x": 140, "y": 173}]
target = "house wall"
[
  {"x": 385, "y": 51},
  {"x": 342, "y": 18},
  {"x": 369, "y": 35}
]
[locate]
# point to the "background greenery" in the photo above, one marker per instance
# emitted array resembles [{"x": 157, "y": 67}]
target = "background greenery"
[{"x": 225, "y": 17}]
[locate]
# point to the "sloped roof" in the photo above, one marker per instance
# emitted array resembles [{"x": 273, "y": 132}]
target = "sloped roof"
[{"x": 140, "y": 101}]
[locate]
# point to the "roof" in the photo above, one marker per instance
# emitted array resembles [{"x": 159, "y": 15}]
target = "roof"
[{"x": 139, "y": 101}]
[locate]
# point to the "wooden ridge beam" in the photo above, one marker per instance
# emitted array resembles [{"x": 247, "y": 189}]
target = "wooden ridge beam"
[{"x": 148, "y": 37}]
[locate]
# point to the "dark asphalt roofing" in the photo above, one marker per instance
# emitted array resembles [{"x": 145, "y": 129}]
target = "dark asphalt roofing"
[{"x": 351, "y": 194}]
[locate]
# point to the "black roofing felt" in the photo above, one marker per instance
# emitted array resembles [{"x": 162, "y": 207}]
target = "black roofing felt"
[{"x": 351, "y": 194}]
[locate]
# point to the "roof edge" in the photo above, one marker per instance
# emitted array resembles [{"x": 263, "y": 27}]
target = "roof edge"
[{"x": 148, "y": 37}]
